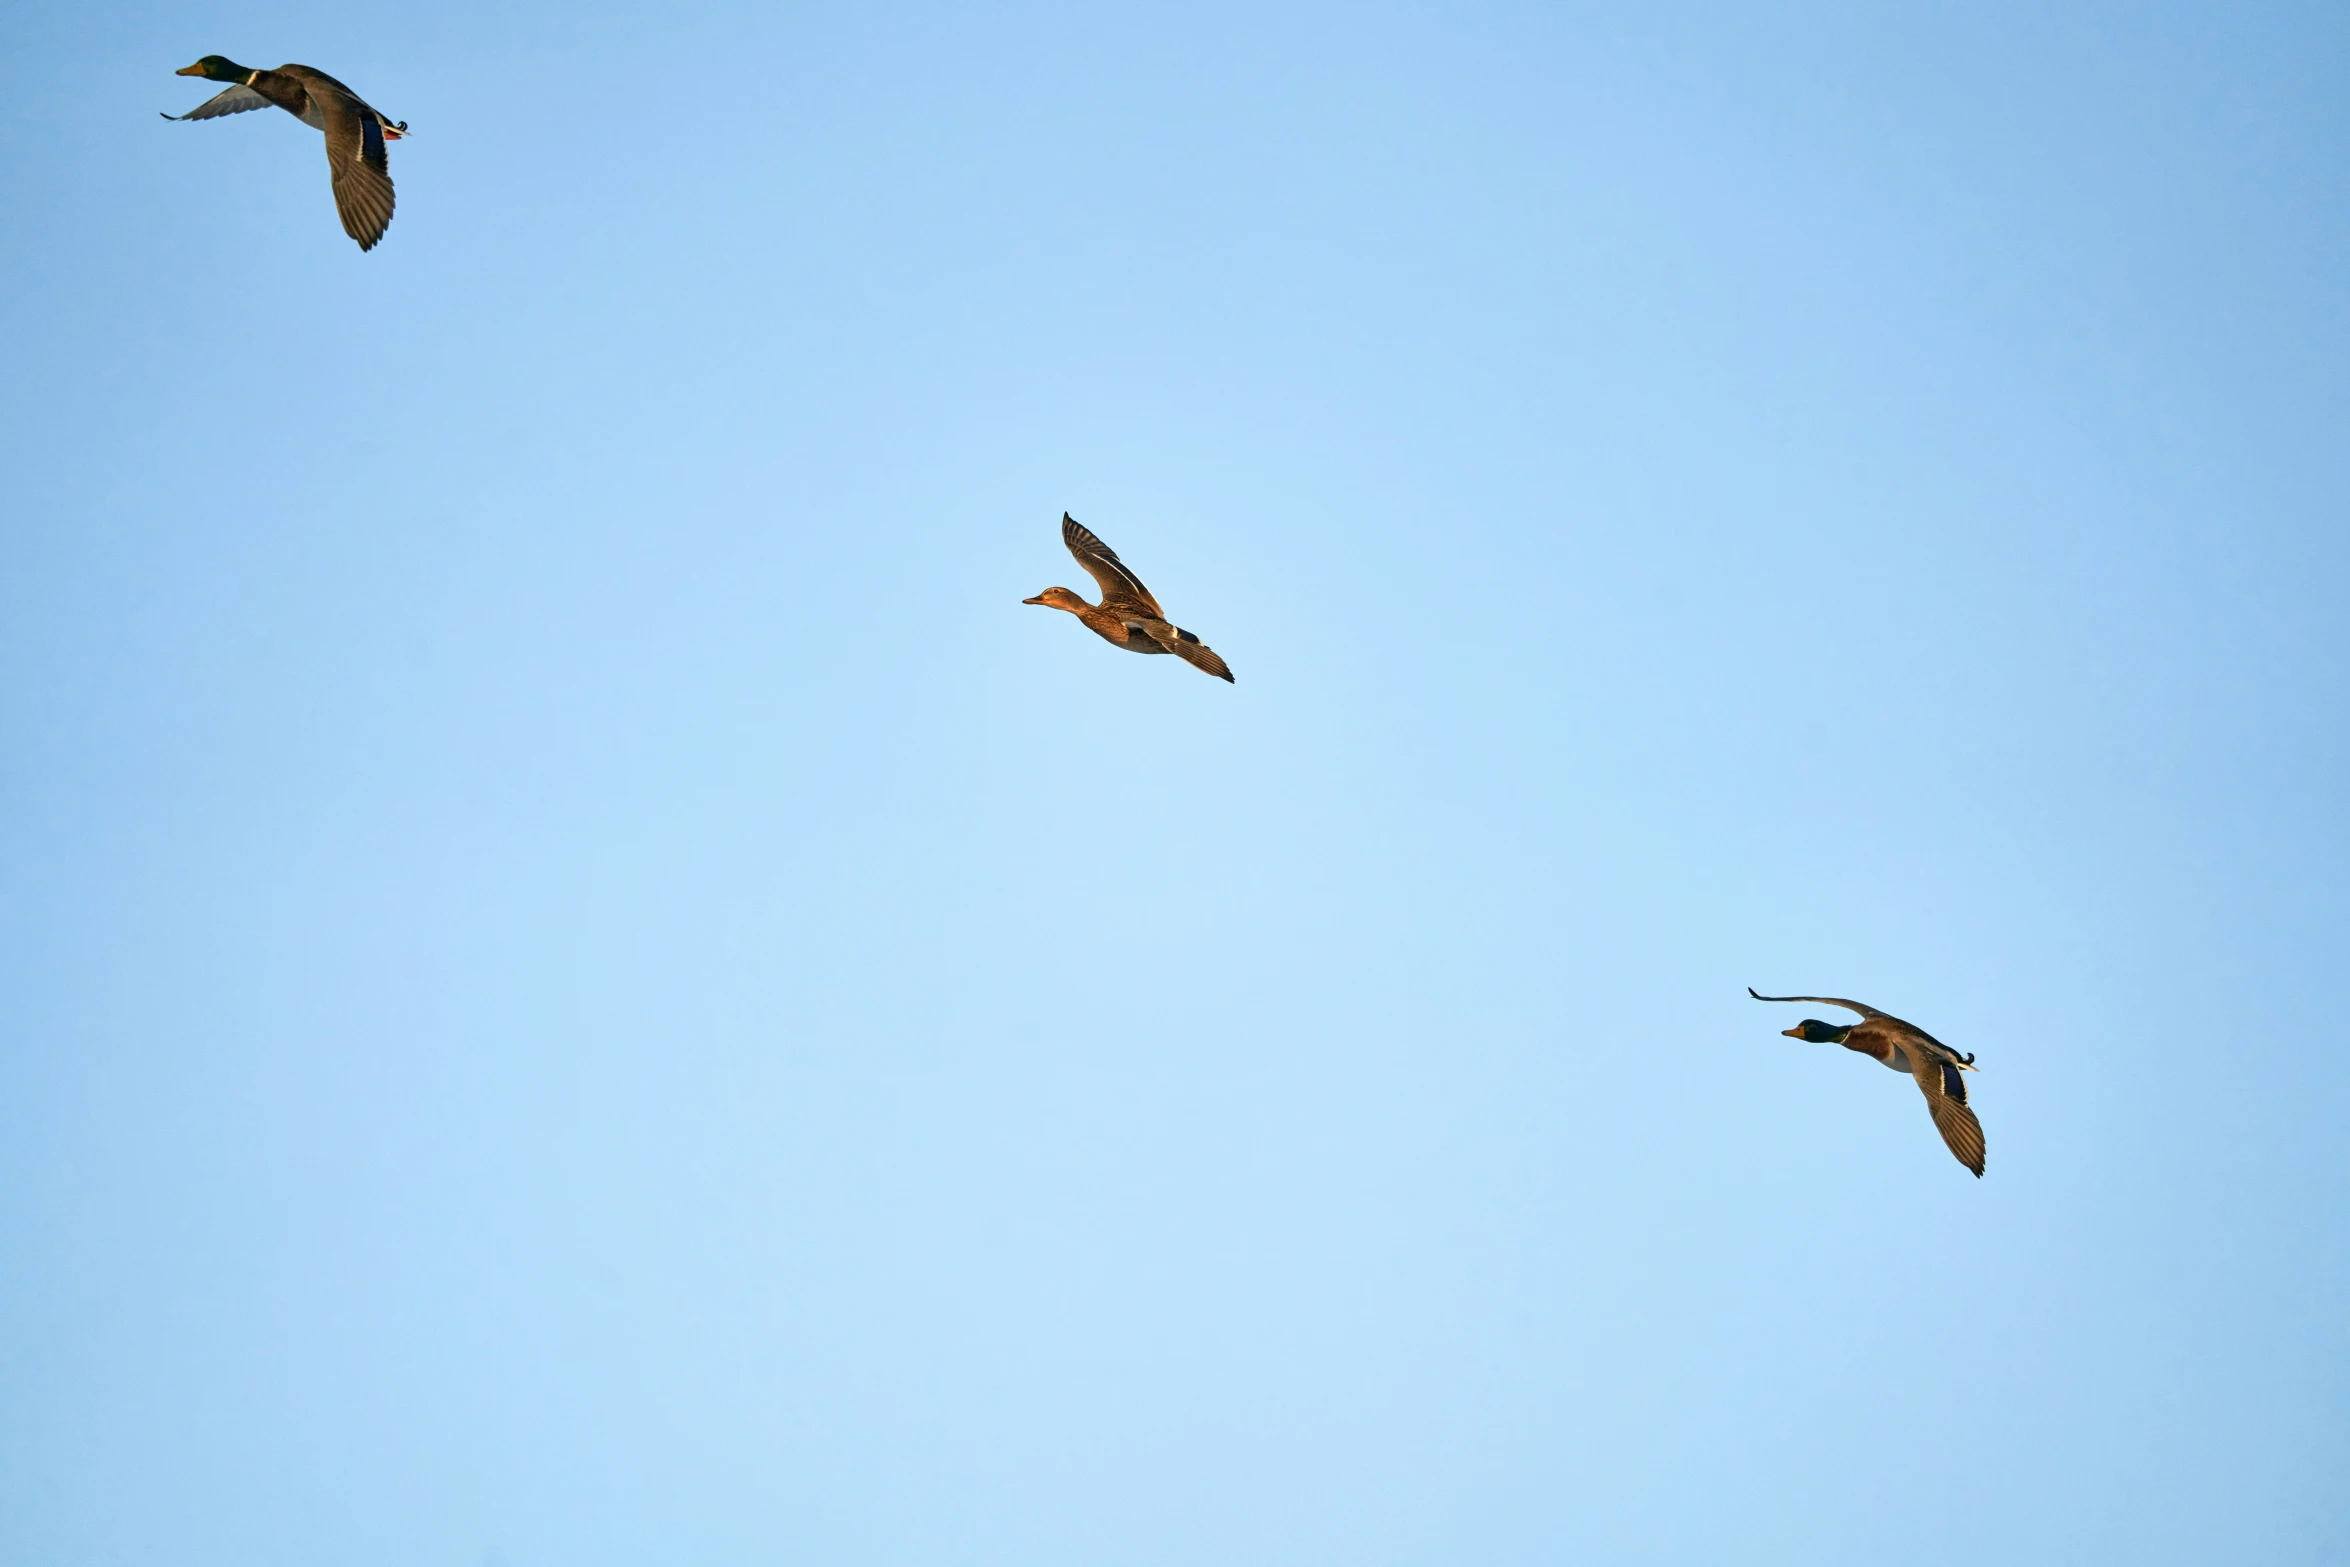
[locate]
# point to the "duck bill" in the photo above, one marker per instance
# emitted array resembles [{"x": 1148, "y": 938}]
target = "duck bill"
[
  {"x": 1039, "y": 599},
  {"x": 1792, "y": 1033},
  {"x": 190, "y": 70}
]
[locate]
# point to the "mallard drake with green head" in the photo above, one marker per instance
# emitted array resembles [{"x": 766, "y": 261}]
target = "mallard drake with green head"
[
  {"x": 1127, "y": 616},
  {"x": 355, "y": 132},
  {"x": 1904, "y": 1047}
]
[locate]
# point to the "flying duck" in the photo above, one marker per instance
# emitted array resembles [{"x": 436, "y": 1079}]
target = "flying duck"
[
  {"x": 355, "y": 133},
  {"x": 1127, "y": 616},
  {"x": 1904, "y": 1047}
]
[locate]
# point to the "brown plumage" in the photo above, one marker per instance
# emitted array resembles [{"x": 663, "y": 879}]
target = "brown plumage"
[
  {"x": 1905, "y": 1047},
  {"x": 355, "y": 132},
  {"x": 1128, "y": 616}
]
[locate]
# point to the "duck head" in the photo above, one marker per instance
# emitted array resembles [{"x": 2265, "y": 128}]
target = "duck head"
[
  {"x": 1817, "y": 1032},
  {"x": 218, "y": 68},
  {"x": 1059, "y": 598}
]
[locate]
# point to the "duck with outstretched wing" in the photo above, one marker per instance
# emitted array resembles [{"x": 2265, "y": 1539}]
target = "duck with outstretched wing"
[{"x": 1904, "y": 1047}]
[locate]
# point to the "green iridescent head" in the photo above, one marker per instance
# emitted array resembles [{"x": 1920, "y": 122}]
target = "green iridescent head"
[
  {"x": 218, "y": 68},
  {"x": 1817, "y": 1032}
]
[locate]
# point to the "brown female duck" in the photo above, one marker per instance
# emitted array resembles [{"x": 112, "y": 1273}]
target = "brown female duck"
[{"x": 1127, "y": 616}]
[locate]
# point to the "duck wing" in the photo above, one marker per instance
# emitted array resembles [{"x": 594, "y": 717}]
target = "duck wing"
[
  {"x": 1121, "y": 589},
  {"x": 234, "y": 101},
  {"x": 355, "y": 159},
  {"x": 1945, "y": 1089},
  {"x": 1833, "y": 1001},
  {"x": 1189, "y": 648}
]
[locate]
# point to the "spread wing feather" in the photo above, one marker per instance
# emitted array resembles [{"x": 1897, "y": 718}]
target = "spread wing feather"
[
  {"x": 1202, "y": 657},
  {"x": 1121, "y": 588},
  {"x": 1833, "y": 1001},
  {"x": 234, "y": 101},
  {"x": 1189, "y": 648},
  {"x": 355, "y": 158},
  {"x": 1945, "y": 1092}
]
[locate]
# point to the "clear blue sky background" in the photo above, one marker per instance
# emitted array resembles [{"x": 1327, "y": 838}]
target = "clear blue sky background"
[{"x": 581, "y": 983}]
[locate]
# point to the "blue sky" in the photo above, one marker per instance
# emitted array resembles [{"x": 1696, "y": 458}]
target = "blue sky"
[{"x": 582, "y": 983}]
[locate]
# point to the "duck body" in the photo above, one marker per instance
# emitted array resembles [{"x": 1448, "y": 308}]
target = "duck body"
[
  {"x": 1880, "y": 1044},
  {"x": 1138, "y": 634},
  {"x": 1938, "y": 1070},
  {"x": 355, "y": 131},
  {"x": 1128, "y": 616}
]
